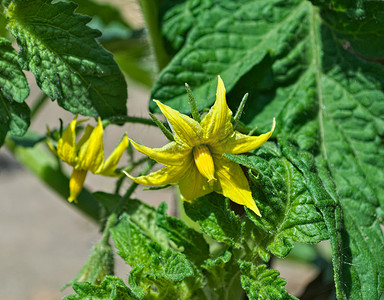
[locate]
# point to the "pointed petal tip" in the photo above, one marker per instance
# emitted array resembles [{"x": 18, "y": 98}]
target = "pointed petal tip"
[
  {"x": 273, "y": 124},
  {"x": 128, "y": 175},
  {"x": 255, "y": 209}
]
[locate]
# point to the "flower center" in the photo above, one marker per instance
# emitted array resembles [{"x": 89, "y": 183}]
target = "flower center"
[{"x": 204, "y": 162}]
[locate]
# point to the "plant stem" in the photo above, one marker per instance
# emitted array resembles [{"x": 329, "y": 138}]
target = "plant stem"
[
  {"x": 38, "y": 104},
  {"x": 112, "y": 220},
  {"x": 150, "y": 9}
]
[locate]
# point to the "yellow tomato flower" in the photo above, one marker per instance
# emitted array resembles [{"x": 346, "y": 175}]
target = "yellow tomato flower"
[
  {"x": 87, "y": 155},
  {"x": 195, "y": 161}
]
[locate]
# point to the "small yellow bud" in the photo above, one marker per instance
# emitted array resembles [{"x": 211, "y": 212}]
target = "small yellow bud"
[{"x": 204, "y": 162}]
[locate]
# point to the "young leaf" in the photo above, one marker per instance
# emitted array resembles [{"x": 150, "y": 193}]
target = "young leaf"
[
  {"x": 112, "y": 288},
  {"x": 132, "y": 244},
  {"x": 215, "y": 218},
  {"x": 69, "y": 65},
  {"x": 14, "y": 113},
  {"x": 262, "y": 283},
  {"x": 144, "y": 216},
  {"x": 288, "y": 208},
  {"x": 223, "y": 277},
  {"x": 172, "y": 274},
  {"x": 192, "y": 242}
]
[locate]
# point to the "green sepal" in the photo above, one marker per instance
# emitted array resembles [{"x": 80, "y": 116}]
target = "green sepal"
[{"x": 162, "y": 127}]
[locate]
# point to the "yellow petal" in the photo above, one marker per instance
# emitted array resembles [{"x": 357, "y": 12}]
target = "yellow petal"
[
  {"x": 91, "y": 153},
  {"x": 172, "y": 154},
  {"x": 238, "y": 143},
  {"x": 86, "y": 134},
  {"x": 166, "y": 175},
  {"x": 233, "y": 183},
  {"x": 187, "y": 131},
  {"x": 76, "y": 183},
  {"x": 217, "y": 124},
  {"x": 109, "y": 166},
  {"x": 66, "y": 145},
  {"x": 193, "y": 184}
]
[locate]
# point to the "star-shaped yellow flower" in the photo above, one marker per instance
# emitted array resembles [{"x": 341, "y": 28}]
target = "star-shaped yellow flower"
[
  {"x": 195, "y": 161},
  {"x": 86, "y": 155}
]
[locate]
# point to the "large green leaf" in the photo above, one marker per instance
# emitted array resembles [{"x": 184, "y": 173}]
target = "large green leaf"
[
  {"x": 229, "y": 38},
  {"x": 14, "y": 113},
  {"x": 320, "y": 185},
  {"x": 335, "y": 108},
  {"x": 285, "y": 202},
  {"x": 326, "y": 92},
  {"x": 69, "y": 65}
]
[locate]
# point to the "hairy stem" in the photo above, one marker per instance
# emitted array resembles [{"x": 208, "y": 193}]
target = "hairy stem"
[{"x": 150, "y": 11}]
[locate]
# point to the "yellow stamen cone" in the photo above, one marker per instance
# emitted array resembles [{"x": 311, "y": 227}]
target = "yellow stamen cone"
[{"x": 204, "y": 162}]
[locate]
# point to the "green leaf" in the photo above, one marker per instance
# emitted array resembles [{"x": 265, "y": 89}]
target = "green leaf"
[
  {"x": 191, "y": 242},
  {"x": 111, "y": 288},
  {"x": 360, "y": 28},
  {"x": 323, "y": 94},
  {"x": 228, "y": 39},
  {"x": 262, "y": 283},
  {"x": 14, "y": 113},
  {"x": 223, "y": 277},
  {"x": 69, "y": 65},
  {"x": 177, "y": 19},
  {"x": 170, "y": 265},
  {"x": 335, "y": 109},
  {"x": 132, "y": 244},
  {"x": 172, "y": 274},
  {"x": 144, "y": 217},
  {"x": 215, "y": 218},
  {"x": 324, "y": 194},
  {"x": 287, "y": 206}
]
